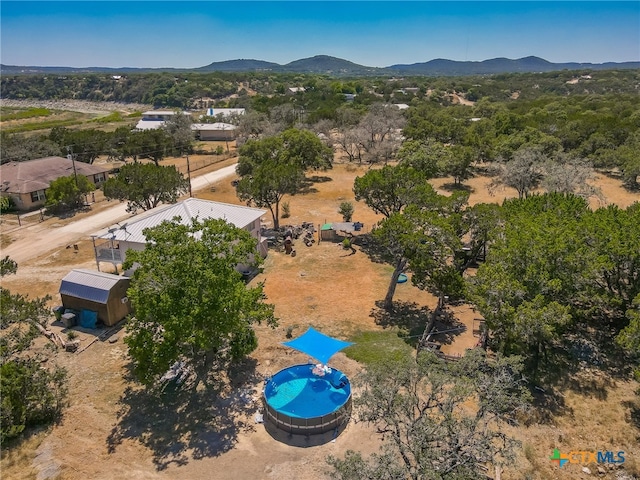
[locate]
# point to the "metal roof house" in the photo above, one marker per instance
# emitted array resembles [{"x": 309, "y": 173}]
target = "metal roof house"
[
  {"x": 153, "y": 119},
  {"x": 103, "y": 293},
  {"x": 214, "y": 131},
  {"x": 111, "y": 245}
]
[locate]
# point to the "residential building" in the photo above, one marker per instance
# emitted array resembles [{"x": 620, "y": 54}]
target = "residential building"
[
  {"x": 153, "y": 119},
  {"x": 27, "y": 182},
  {"x": 214, "y": 131},
  {"x": 111, "y": 245}
]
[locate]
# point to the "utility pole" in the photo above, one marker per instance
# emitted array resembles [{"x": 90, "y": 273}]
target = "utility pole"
[
  {"x": 189, "y": 175},
  {"x": 73, "y": 162}
]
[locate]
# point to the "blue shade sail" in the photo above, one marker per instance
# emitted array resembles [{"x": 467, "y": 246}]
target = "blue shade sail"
[{"x": 317, "y": 345}]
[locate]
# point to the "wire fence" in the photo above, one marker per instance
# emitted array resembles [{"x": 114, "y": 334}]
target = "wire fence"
[{"x": 203, "y": 163}]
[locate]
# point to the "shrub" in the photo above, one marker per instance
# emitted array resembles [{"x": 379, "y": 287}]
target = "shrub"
[
  {"x": 67, "y": 193},
  {"x": 289, "y": 333},
  {"x": 346, "y": 210},
  {"x": 286, "y": 210},
  {"x": 346, "y": 243},
  {"x": 6, "y": 204},
  {"x": 31, "y": 395}
]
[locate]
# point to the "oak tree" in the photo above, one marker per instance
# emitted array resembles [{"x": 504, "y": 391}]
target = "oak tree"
[
  {"x": 191, "y": 304},
  {"x": 273, "y": 167},
  {"x": 145, "y": 185},
  {"x": 440, "y": 421}
]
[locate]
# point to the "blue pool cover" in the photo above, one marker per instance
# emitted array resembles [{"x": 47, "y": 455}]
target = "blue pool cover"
[{"x": 317, "y": 345}]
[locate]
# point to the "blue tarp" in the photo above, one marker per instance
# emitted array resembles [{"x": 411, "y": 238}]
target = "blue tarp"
[
  {"x": 88, "y": 319},
  {"x": 317, "y": 345}
]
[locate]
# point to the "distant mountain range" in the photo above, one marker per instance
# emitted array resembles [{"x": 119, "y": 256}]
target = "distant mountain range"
[{"x": 338, "y": 67}]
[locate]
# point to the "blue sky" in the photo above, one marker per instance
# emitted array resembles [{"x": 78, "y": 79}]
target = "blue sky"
[{"x": 378, "y": 33}]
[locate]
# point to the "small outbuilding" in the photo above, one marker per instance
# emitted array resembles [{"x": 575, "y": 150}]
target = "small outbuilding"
[
  {"x": 103, "y": 293},
  {"x": 335, "y": 232}
]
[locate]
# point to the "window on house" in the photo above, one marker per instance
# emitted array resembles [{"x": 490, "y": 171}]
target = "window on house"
[
  {"x": 98, "y": 178},
  {"x": 38, "y": 196}
]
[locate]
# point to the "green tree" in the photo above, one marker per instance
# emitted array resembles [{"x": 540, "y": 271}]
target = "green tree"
[
  {"x": 153, "y": 144},
  {"x": 457, "y": 164},
  {"x": 190, "y": 302},
  {"x": 628, "y": 157},
  {"x": 31, "y": 392},
  {"x": 85, "y": 145},
  {"x": 178, "y": 127},
  {"x": 390, "y": 189},
  {"x": 346, "y": 210},
  {"x": 273, "y": 167},
  {"x": 7, "y": 266},
  {"x": 67, "y": 193},
  {"x": 18, "y": 148},
  {"x": 629, "y": 337},
  {"x": 535, "y": 278},
  {"x": 424, "y": 156},
  {"x": 441, "y": 421},
  {"x": 145, "y": 185},
  {"x": 424, "y": 240},
  {"x": 612, "y": 245}
]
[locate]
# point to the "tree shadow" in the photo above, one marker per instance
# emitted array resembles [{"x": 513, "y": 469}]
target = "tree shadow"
[
  {"x": 352, "y": 251},
  {"x": 587, "y": 363},
  {"x": 547, "y": 404},
  {"x": 408, "y": 316},
  {"x": 306, "y": 188},
  {"x": 308, "y": 182},
  {"x": 634, "y": 413},
  {"x": 457, "y": 187},
  {"x": 179, "y": 424},
  {"x": 319, "y": 179},
  {"x": 449, "y": 325},
  {"x": 64, "y": 214},
  {"x": 374, "y": 250}
]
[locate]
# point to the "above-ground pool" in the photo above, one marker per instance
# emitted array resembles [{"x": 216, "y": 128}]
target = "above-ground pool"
[{"x": 300, "y": 401}]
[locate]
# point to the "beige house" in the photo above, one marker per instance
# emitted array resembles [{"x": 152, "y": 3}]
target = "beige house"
[
  {"x": 26, "y": 182},
  {"x": 214, "y": 131},
  {"x": 111, "y": 245}
]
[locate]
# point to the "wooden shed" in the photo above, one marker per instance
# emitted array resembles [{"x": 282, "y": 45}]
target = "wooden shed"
[
  {"x": 103, "y": 293},
  {"x": 336, "y": 231}
]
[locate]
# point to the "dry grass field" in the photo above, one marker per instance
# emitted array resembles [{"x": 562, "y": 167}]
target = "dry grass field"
[{"x": 112, "y": 429}]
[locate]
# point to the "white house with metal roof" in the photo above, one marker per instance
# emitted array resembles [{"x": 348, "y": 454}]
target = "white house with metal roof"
[
  {"x": 153, "y": 119},
  {"x": 111, "y": 245}
]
